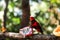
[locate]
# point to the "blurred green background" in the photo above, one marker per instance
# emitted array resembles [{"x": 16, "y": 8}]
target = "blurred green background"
[{"x": 46, "y": 12}]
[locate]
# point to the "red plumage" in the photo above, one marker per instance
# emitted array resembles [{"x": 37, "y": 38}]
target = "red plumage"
[
  {"x": 27, "y": 31},
  {"x": 35, "y": 24}
]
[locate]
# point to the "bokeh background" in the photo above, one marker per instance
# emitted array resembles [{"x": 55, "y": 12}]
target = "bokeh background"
[{"x": 46, "y": 12}]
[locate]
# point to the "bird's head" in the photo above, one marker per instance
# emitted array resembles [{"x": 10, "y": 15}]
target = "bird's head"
[{"x": 32, "y": 18}]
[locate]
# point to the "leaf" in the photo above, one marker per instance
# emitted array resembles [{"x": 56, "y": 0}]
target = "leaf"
[
  {"x": 16, "y": 20},
  {"x": 53, "y": 1},
  {"x": 58, "y": 1},
  {"x": 11, "y": 6}
]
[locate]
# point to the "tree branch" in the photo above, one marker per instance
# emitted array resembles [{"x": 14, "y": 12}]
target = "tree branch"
[
  {"x": 12, "y": 35},
  {"x": 34, "y": 37}
]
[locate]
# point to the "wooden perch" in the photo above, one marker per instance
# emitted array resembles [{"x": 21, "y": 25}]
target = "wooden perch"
[
  {"x": 34, "y": 37},
  {"x": 11, "y": 35}
]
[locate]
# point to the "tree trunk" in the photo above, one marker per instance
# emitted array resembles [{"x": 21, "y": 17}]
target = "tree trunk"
[
  {"x": 5, "y": 13},
  {"x": 25, "y": 13}
]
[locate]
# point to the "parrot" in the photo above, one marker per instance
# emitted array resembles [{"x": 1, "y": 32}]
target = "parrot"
[
  {"x": 35, "y": 24},
  {"x": 27, "y": 31}
]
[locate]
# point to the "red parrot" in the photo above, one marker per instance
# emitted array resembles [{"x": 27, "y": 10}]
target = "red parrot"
[
  {"x": 28, "y": 30},
  {"x": 35, "y": 24}
]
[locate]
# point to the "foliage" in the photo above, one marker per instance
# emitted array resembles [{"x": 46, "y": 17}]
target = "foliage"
[
  {"x": 46, "y": 13},
  {"x": 13, "y": 15},
  {"x": 43, "y": 10}
]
